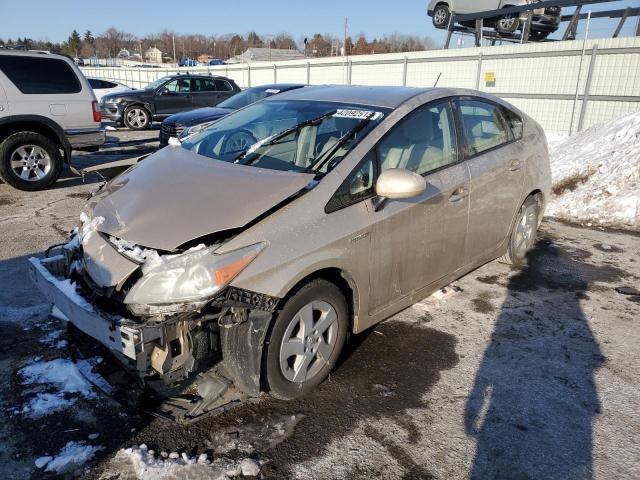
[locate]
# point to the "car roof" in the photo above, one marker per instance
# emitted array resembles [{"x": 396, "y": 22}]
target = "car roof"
[
  {"x": 386, "y": 97},
  {"x": 279, "y": 86}
]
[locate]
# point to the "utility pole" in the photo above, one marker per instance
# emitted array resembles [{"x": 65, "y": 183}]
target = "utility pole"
[
  {"x": 173, "y": 40},
  {"x": 344, "y": 41}
]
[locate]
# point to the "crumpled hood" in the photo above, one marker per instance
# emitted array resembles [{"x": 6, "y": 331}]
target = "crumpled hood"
[
  {"x": 200, "y": 115},
  {"x": 175, "y": 196}
]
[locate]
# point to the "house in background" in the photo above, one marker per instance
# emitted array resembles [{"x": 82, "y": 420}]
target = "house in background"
[{"x": 153, "y": 55}]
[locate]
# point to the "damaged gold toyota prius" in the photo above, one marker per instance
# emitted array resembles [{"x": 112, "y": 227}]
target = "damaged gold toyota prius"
[{"x": 239, "y": 261}]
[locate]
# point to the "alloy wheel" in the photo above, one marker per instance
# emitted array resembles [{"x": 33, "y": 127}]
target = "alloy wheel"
[
  {"x": 30, "y": 162},
  {"x": 137, "y": 118},
  {"x": 308, "y": 341},
  {"x": 525, "y": 232}
]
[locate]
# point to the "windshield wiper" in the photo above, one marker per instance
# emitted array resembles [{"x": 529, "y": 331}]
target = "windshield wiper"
[
  {"x": 278, "y": 136},
  {"x": 320, "y": 161}
]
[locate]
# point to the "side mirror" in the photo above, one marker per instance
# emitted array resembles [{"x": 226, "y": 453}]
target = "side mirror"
[
  {"x": 397, "y": 183},
  {"x": 163, "y": 91}
]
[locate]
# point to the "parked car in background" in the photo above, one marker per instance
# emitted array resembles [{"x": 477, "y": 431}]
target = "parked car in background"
[
  {"x": 187, "y": 123},
  {"x": 205, "y": 266},
  {"x": 47, "y": 109},
  {"x": 544, "y": 22},
  {"x": 136, "y": 109},
  {"x": 105, "y": 87},
  {"x": 187, "y": 62}
]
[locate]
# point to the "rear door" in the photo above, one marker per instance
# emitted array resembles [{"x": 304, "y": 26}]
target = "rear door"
[
  {"x": 417, "y": 241},
  {"x": 205, "y": 92},
  {"x": 496, "y": 173},
  {"x": 225, "y": 89},
  {"x": 174, "y": 96}
]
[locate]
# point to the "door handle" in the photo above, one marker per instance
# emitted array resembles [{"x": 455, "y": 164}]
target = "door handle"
[
  {"x": 515, "y": 165},
  {"x": 458, "y": 194}
]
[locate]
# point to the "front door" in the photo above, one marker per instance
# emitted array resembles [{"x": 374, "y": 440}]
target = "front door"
[
  {"x": 175, "y": 96},
  {"x": 496, "y": 173},
  {"x": 417, "y": 241}
]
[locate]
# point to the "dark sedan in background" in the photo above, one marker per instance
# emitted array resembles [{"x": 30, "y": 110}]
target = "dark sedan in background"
[
  {"x": 187, "y": 123},
  {"x": 136, "y": 109}
]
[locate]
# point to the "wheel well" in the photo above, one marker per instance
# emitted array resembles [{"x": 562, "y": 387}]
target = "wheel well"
[
  {"x": 340, "y": 279},
  {"x": 30, "y": 126}
]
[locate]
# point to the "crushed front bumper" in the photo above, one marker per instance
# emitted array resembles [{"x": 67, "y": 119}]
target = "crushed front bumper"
[
  {"x": 120, "y": 336},
  {"x": 112, "y": 111}
]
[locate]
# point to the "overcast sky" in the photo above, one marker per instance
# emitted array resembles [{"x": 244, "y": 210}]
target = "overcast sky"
[{"x": 54, "y": 19}]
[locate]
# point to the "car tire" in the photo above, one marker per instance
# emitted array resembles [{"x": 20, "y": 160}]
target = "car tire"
[
  {"x": 523, "y": 233},
  {"x": 508, "y": 23},
  {"x": 441, "y": 16},
  {"x": 137, "y": 117},
  {"x": 305, "y": 339},
  {"x": 29, "y": 161}
]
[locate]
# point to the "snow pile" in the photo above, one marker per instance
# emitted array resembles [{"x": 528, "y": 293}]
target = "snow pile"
[
  {"x": 71, "y": 457},
  {"x": 596, "y": 175},
  {"x": 142, "y": 463},
  {"x": 135, "y": 252}
]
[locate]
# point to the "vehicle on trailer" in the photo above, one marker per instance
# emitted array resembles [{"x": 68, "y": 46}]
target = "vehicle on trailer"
[
  {"x": 544, "y": 21},
  {"x": 43, "y": 117},
  {"x": 213, "y": 274},
  {"x": 136, "y": 109},
  {"x": 103, "y": 87},
  {"x": 183, "y": 124}
]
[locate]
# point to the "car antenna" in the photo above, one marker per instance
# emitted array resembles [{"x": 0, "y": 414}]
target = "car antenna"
[{"x": 437, "y": 80}]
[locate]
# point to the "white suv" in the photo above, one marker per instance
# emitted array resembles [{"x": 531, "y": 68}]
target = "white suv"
[
  {"x": 544, "y": 21},
  {"x": 47, "y": 109}
]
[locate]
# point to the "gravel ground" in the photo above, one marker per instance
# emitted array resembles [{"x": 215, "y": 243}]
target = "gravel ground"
[{"x": 523, "y": 374}]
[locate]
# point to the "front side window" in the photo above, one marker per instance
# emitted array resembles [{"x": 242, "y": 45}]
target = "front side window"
[
  {"x": 287, "y": 135},
  {"x": 40, "y": 75},
  {"x": 179, "y": 85},
  {"x": 482, "y": 126},
  {"x": 422, "y": 142}
]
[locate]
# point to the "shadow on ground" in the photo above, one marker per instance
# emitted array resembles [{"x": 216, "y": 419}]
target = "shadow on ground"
[{"x": 534, "y": 399}]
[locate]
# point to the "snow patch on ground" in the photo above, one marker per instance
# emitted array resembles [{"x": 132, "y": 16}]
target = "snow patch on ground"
[
  {"x": 596, "y": 175},
  {"x": 70, "y": 458},
  {"x": 64, "y": 381},
  {"x": 143, "y": 464}
]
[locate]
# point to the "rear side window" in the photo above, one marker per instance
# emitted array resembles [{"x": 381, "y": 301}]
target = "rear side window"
[
  {"x": 482, "y": 126},
  {"x": 35, "y": 75},
  {"x": 515, "y": 122},
  {"x": 223, "y": 85},
  {"x": 203, "y": 85}
]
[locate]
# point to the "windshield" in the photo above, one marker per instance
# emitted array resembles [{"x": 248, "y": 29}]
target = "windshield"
[
  {"x": 249, "y": 96},
  {"x": 290, "y": 135},
  {"x": 157, "y": 83}
]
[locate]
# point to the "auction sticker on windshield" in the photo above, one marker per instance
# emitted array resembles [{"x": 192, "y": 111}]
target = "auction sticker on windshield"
[{"x": 357, "y": 114}]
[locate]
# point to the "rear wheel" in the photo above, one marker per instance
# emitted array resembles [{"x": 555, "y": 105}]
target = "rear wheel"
[
  {"x": 29, "y": 161},
  {"x": 137, "y": 117},
  {"x": 441, "y": 16},
  {"x": 523, "y": 233},
  {"x": 305, "y": 339}
]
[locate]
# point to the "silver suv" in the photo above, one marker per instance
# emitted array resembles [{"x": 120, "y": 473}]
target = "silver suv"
[
  {"x": 544, "y": 21},
  {"x": 47, "y": 109}
]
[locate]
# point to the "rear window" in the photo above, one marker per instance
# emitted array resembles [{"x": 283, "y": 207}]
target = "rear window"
[{"x": 35, "y": 75}]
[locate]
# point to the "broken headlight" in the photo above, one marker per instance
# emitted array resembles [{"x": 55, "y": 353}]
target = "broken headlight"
[{"x": 192, "y": 276}]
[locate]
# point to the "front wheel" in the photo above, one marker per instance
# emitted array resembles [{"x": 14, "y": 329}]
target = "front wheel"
[
  {"x": 523, "y": 233},
  {"x": 29, "y": 161},
  {"x": 508, "y": 23},
  {"x": 441, "y": 16},
  {"x": 305, "y": 339},
  {"x": 137, "y": 118}
]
